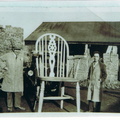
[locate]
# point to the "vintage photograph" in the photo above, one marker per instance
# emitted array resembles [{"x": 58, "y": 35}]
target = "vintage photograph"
[{"x": 59, "y": 59}]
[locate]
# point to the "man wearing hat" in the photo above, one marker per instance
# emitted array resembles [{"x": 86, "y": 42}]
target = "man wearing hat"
[{"x": 13, "y": 77}]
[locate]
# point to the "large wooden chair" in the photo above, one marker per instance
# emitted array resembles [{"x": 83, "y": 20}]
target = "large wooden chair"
[{"x": 52, "y": 64}]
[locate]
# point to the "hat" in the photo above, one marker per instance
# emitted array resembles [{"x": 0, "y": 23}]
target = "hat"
[
  {"x": 17, "y": 45},
  {"x": 14, "y": 48}
]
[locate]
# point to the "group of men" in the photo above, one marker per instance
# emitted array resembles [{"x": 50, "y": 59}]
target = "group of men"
[{"x": 13, "y": 80}]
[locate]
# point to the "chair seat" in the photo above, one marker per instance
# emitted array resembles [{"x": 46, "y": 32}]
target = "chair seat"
[{"x": 58, "y": 79}]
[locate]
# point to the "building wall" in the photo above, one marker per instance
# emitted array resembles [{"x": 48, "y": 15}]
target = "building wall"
[
  {"x": 82, "y": 72},
  {"x": 112, "y": 66},
  {"x": 9, "y": 37}
]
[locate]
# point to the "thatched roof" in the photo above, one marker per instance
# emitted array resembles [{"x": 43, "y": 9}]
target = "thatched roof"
[{"x": 80, "y": 32}]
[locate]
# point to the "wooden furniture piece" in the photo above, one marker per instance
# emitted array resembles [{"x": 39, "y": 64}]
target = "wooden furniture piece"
[{"x": 52, "y": 66}]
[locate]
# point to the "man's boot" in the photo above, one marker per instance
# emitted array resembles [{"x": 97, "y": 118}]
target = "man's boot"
[
  {"x": 91, "y": 106},
  {"x": 97, "y": 106}
]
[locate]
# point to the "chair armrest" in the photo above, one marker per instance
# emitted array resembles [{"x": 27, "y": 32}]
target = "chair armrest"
[{"x": 36, "y": 54}]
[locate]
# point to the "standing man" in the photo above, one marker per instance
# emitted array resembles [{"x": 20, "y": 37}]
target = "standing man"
[
  {"x": 96, "y": 76},
  {"x": 13, "y": 78}
]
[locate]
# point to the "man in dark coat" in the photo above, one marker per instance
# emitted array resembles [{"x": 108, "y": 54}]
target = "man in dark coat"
[{"x": 96, "y": 76}]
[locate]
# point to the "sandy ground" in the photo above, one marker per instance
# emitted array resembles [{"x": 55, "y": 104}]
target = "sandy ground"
[{"x": 110, "y": 102}]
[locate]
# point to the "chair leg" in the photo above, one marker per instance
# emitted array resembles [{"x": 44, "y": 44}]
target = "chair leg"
[
  {"x": 41, "y": 96},
  {"x": 78, "y": 96},
  {"x": 36, "y": 100},
  {"x": 62, "y": 94}
]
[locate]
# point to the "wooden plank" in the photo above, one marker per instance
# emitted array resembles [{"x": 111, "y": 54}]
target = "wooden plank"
[
  {"x": 45, "y": 55},
  {"x": 76, "y": 57},
  {"x": 61, "y": 58},
  {"x": 58, "y": 57},
  {"x": 109, "y": 49},
  {"x": 58, "y": 98},
  {"x": 115, "y": 50}
]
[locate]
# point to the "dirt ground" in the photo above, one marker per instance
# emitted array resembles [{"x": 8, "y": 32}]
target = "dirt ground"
[{"x": 110, "y": 102}]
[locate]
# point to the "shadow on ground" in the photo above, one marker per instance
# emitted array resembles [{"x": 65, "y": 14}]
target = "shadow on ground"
[{"x": 110, "y": 102}]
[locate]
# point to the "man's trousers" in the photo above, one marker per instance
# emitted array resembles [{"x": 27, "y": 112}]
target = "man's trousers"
[
  {"x": 14, "y": 96},
  {"x": 94, "y": 106}
]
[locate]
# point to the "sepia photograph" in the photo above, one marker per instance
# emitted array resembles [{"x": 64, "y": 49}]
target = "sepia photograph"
[{"x": 59, "y": 58}]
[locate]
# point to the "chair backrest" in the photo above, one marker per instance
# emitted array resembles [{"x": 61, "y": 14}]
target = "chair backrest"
[{"x": 53, "y": 54}]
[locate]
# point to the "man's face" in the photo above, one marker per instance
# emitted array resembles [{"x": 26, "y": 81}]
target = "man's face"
[{"x": 96, "y": 57}]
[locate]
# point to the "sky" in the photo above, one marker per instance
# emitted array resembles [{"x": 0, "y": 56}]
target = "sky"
[{"x": 29, "y": 15}]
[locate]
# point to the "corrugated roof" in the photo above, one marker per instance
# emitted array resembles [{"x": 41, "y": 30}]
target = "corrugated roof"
[{"x": 80, "y": 32}]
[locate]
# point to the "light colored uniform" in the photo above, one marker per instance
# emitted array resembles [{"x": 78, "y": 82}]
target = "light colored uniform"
[
  {"x": 94, "y": 83},
  {"x": 13, "y": 79}
]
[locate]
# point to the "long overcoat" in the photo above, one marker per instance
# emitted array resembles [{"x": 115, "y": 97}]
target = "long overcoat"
[
  {"x": 96, "y": 77},
  {"x": 13, "y": 78}
]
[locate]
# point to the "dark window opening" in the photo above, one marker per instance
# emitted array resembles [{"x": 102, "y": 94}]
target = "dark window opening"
[
  {"x": 101, "y": 48},
  {"x": 77, "y": 49}
]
